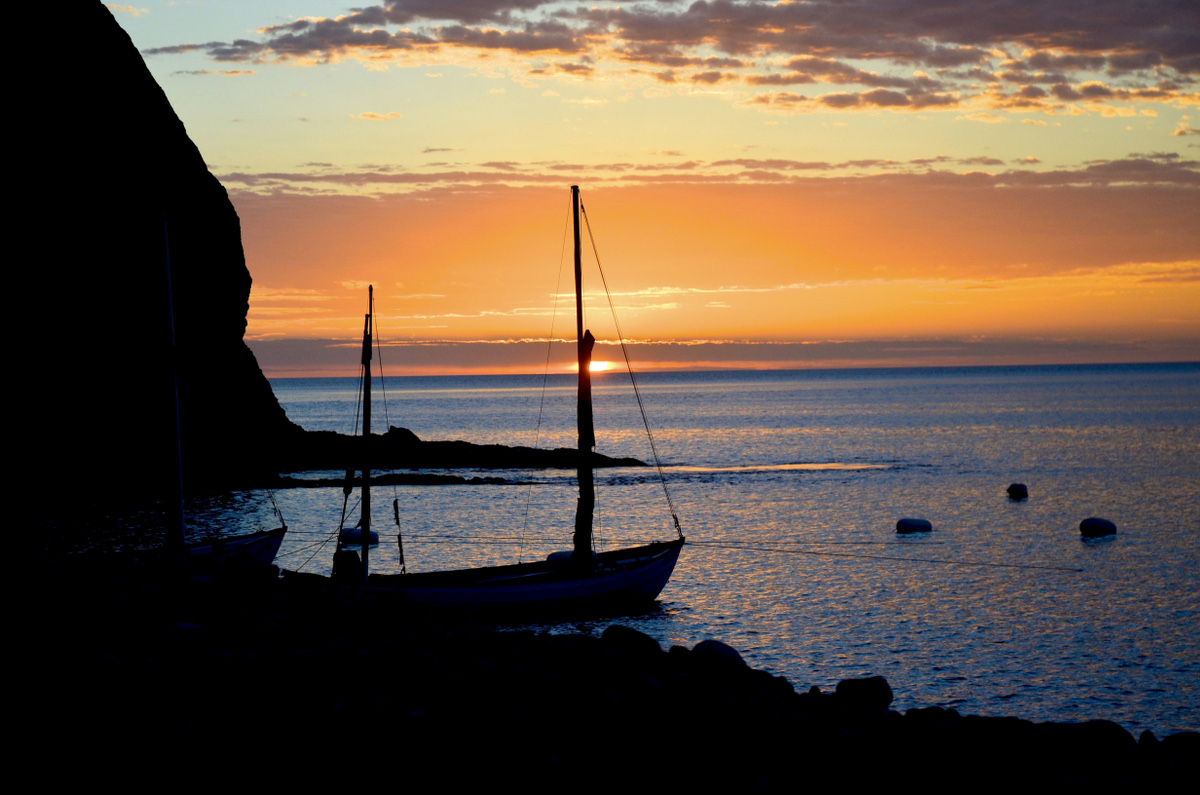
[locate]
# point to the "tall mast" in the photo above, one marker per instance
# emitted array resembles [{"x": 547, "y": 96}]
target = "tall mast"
[
  {"x": 582, "y": 554},
  {"x": 366, "y": 442}
]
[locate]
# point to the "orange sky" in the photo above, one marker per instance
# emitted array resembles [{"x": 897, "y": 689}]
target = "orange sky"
[
  {"x": 771, "y": 184},
  {"x": 885, "y": 259}
]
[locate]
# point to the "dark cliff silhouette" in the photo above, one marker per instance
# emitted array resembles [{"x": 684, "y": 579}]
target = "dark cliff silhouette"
[
  {"x": 113, "y": 173},
  {"x": 115, "y": 178}
]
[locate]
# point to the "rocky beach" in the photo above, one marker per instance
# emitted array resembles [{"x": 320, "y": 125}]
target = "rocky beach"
[{"x": 288, "y": 680}]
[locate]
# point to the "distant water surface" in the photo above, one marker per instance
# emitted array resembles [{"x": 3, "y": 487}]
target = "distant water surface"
[{"x": 790, "y": 484}]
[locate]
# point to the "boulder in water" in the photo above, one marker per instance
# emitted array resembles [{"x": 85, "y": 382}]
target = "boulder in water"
[
  {"x": 914, "y": 526},
  {"x": 1094, "y": 527}
]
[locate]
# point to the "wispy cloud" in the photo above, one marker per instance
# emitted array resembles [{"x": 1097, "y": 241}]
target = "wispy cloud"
[
  {"x": 221, "y": 72},
  {"x": 132, "y": 11},
  {"x": 1136, "y": 169},
  {"x": 259, "y": 294},
  {"x": 918, "y": 55}
]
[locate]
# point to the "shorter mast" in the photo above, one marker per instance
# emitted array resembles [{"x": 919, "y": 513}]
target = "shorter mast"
[
  {"x": 365, "y": 521},
  {"x": 582, "y": 554}
]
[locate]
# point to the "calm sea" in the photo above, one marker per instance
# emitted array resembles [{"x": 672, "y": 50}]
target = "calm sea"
[{"x": 791, "y": 482}]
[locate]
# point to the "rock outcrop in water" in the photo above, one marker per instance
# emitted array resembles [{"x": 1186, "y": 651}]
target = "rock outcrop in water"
[
  {"x": 1018, "y": 492},
  {"x": 400, "y": 448},
  {"x": 1095, "y": 527}
]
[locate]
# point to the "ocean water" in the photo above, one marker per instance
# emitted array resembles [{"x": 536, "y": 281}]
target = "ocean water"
[{"x": 789, "y": 485}]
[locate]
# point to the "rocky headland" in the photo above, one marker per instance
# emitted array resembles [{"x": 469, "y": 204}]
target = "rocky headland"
[{"x": 400, "y": 448}]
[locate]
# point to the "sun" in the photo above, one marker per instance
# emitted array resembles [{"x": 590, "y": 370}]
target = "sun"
[{"x": 599, "y": 367}]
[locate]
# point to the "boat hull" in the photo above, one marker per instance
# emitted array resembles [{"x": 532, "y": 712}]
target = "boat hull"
[
  {"x": 622, "y": 579},
  {"x": 255, "y": 549}
]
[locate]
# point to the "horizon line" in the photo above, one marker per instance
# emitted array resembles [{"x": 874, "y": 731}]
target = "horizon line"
[{"x": 459, "y": 372}]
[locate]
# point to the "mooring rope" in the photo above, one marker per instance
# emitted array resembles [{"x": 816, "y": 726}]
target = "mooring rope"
[{"x": 753, "y": 548}]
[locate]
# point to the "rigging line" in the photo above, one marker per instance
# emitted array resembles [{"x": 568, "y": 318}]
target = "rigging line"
[
  {"x": 435, "y": 538},
  {"x": 537, "y": 433},
  {"x": 319, "y": 533},
  {"x": 544, "y": 541},
  {"x": 316, "y": 547},
  {"x": 324, "y": 539},
  {"x": 597, "y": 535},
  {"x": 473, "y": 538},
  {"x": 387, "y": 420},
  {"x": 783, "y": 545},
  {"x": 357, "y": 401},
  {"x": 351, "y": 510},
  {"x": 279, "y": 513},
  {"x": 629, "y": 366},
  {"x": 889, "y": 557}
]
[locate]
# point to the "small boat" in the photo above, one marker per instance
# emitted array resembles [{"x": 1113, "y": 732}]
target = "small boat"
[
  {"x": 252, "y": 549},
  {"x": 571, "y": 582}
]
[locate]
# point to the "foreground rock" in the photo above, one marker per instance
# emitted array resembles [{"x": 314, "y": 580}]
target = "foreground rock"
[{"x": 206, "y": 680}]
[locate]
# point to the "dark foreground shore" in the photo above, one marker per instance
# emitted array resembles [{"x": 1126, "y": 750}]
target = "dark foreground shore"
[{"x": 158, "y": 679}]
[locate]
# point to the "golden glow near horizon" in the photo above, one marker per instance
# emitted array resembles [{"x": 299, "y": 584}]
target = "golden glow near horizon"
[{"x": 765, "y": 189}]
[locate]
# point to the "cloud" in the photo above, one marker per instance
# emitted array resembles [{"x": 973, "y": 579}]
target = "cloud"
[
  {"x": 575, "y": 68},
  {"x": 369, "y": 116},
  {"x": 132, "y": 11},
  {"x": 921, "y": 54},
  {"x": 220, "y": 72},
  {"x": 810, "y": 69},
  {"x": 180, "y": 49},
  {"x": 988, "y": 118},
  {"x": 1136, "y": 169}
]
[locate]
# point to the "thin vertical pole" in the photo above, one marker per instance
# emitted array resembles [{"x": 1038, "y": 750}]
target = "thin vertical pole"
[
  {"x": 582, "y": 554},
  {"x": 366, "y": 442}
]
